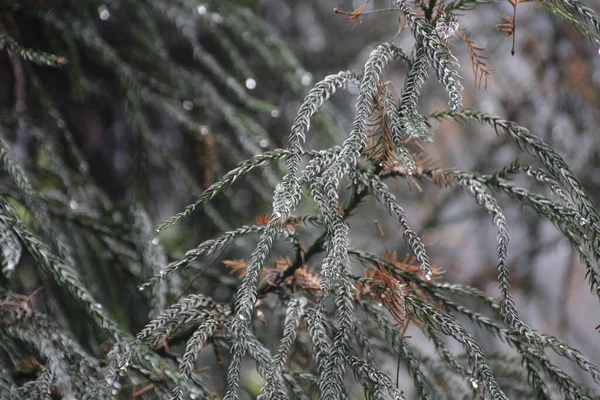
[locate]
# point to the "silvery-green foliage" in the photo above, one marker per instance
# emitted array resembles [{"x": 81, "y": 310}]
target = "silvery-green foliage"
[
  {"x": 384, "y": 196},
  {"x": 38, "y": 57},
  {"x": 485, "y": 199},
  {"x": 578, "y": 15},
  {"x": 11, "y": 250},
  {"x": 411, "y": 122},
  {"x": 273, "y": 386},
  {"x": 437, "y": 51},
  {"x": 374, "y": 379},
  {"x": 331, "y": 331},
  {"x": 329, "y": 319},
  {"x": 56, "y": 218}
]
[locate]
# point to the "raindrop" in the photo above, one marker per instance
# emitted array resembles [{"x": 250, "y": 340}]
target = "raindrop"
[
  {"x": 598, "y": 51},
  {"x": 98, "y": 306},
  {"x": 276, "y": 214},
  {"x": 474, "y": 383},
  {"x": 275, "y": 113},
  {"x": 188, "y": 105},
  {"x": 74, "y": 205},
  {"x": 264, "y": 143},
  {"x": 582, "y": 221},
  {"x": 250, "y": 83},
  {"x": 201, "y": 10},
  {"x": 204, "y": 130},
  {"x": 380, "y": 304},
  {"x": 163, "y": 272},
  {"x": 428, "y": 275},
  {"x": 243, "y": 318},
  {"x": 141, "y": 288},
  {"x": 306, "y": 79},
  {"x": 103, "y": 13},
  {"x": 155, "y": 241}
]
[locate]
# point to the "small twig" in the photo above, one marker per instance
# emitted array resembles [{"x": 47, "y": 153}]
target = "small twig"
[
  {"x": 143, "y": 391},
  {"x": 198, "y": 275},
  {"x": 357, "y": 14}
]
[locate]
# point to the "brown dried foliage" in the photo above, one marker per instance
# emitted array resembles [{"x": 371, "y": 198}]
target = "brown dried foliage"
[
  {"x": 510, "y": 26},
  {"x": 301, "y": 279},
  {"x": 16, "y": 307},
  {"x": 389, "y": 288},
  {"x": 238, "y": 267},
  {"x": 409, "y": 264},
  {"x": 380, "y": 148},
  {"x": 262, "y": 219},
  {"x": 481, "y": 69},
  {"x": 426, "y": 168},
  {"x": 354, "y": 16}
]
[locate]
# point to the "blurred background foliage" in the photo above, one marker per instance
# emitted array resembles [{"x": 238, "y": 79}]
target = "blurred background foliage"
[{"x": 133, "y": 108}]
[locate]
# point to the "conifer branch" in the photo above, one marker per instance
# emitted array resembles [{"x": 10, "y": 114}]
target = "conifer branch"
[
  {"x": 35, "y": 56},
  {"x": 183, "y": 65}
]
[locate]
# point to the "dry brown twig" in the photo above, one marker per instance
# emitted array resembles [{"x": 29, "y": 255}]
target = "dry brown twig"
[
  {"x": 481, "y": 69},
  {"x": 356, "y": 15},
  {"x": 510, "y": 27}
]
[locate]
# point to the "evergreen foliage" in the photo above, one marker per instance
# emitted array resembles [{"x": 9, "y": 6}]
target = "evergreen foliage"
[{"x": 75, "y": 240}]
